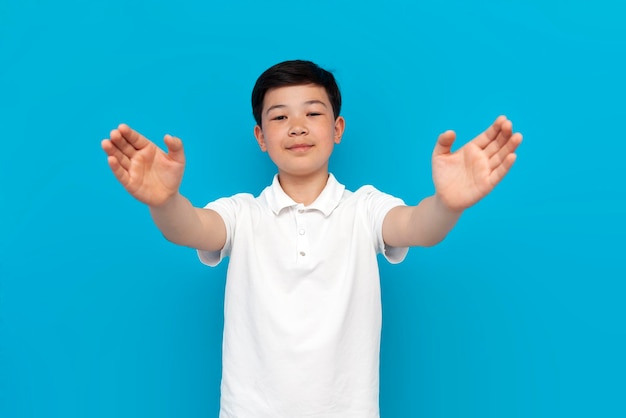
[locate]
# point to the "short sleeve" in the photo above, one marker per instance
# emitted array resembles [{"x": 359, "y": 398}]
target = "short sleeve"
[
  {"x": 228, "y": 208},
  {"x": 378, "y": 205}
]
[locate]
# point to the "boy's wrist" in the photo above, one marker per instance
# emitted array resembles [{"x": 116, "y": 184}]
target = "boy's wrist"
[
  {"x": 167, "y": 202},
  {"x": 443, "y": 206}
]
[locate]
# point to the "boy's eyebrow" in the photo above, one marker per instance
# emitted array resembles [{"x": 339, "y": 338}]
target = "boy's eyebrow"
[
  {"x": 308, "y": 102},
  {"x": 315, "y": 102}
]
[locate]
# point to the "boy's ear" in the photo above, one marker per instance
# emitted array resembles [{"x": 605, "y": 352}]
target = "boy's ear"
[
  {"x": 340, "y": 126},
  {"x": 258, "y": 134}
]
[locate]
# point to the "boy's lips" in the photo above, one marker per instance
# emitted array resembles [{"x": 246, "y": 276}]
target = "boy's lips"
[{"x": 299, "y": 147}]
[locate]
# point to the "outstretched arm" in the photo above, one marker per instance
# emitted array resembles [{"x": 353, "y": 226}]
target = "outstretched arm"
[
  {"x": 154, "y": 177},
  {"x": 461, "y": 179}
]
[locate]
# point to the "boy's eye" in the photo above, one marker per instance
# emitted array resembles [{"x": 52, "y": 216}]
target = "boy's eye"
[
  {"x": 280, "y": 117},
  {"x": 314, "y": 114}
]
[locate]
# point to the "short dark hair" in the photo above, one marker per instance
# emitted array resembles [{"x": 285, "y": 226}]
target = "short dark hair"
[{"x": 294, "y": 73}]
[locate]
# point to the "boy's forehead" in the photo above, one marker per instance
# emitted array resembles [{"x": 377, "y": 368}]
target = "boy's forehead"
[{"x": 294, "y": 95}]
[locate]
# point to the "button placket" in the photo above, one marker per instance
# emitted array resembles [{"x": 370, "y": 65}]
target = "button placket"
[{"x": 301, "y": 234}]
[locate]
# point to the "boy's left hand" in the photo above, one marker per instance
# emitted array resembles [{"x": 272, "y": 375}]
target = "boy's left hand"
[{"x": 467, "y": 175}]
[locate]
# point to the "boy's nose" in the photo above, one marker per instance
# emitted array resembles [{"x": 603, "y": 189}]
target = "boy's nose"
[{"x": 297, "y": 130}]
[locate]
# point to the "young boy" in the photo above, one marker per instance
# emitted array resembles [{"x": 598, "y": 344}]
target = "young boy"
[{"x": 302, "y": 313}]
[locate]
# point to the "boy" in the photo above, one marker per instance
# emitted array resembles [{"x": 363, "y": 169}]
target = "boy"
[{"x": 302, "y": 313}]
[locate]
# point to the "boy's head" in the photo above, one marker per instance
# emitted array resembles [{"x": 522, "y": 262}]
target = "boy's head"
[{"x": 294, "y": 73}]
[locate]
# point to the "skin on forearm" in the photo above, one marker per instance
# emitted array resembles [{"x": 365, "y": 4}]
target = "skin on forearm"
[
  {"x": 423, "y": 225},
  {"x": 183, "y": 224}
]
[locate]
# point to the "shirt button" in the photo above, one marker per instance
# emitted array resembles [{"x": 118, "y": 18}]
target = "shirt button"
[
  {"x": 301, "y": 232},
  {"x": 302, "y": 253},
  {"x": 300, "y": 210}
]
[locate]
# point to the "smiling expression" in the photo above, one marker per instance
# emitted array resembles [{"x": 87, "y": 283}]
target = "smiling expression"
[{"x": 299, "y": 129}]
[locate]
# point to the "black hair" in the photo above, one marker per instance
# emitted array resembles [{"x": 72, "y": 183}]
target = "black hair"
[{"x": 294, "y": 73}]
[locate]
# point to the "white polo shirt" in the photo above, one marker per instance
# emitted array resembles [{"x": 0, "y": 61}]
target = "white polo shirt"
[{"x": 302, "y": 310}]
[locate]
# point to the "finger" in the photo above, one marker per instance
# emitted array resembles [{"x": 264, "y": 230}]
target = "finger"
[
  {"x": 491, "y": 133},
  {"x": 113, "y": 151},
  {"x": 120, "y": 173},
  {"x": 506, "y": 131},
  {"x": 444, "y": 143},
  {"x": 498, "y": 174},
  {"x": 175, "y": 148},
  {"x": 119, "y": 141},
  {"x": 502, "y": 154},
  {"x": 134, "y": 138}
]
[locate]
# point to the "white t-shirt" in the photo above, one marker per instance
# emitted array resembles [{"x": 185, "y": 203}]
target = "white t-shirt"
[{"x": 302, "y": 310}]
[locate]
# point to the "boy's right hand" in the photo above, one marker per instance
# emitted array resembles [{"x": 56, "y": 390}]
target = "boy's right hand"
[{"x": 146, "y": 172}]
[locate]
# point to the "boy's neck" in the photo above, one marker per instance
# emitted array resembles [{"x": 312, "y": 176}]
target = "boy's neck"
[{"x": 303, "y": 189}]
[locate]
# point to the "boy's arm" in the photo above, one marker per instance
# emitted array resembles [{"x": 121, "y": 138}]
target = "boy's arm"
[
  {"x": 153, "y": 177},
  {"x": 182, "y": 223},
  {"x": 461, "y": 179}
]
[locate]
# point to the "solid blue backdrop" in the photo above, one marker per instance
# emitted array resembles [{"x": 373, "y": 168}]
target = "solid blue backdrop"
[{"x": 518, "y": 313}]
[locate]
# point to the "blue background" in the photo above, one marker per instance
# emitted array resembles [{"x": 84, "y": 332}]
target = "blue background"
[{"x": 519, "y": 313}]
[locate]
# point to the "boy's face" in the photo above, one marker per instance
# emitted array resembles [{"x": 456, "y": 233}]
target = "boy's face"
[{"x": 299, "y": 129}]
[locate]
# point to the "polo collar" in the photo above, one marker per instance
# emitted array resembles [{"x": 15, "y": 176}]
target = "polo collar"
[{"x": 326, "y": 202}]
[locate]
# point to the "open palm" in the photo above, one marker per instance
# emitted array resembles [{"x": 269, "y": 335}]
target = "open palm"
[
  {"x": 467, "y": 175},
  {"x": 146, "y": 172}
]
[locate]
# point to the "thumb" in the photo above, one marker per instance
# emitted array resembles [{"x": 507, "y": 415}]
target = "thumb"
[
  {"x": 174, "y": 148},
  {"x": 444, "y": 143}
]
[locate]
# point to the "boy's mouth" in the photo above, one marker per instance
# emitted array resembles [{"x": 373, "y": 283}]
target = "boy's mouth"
[{"x": 300, "y": 147}]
